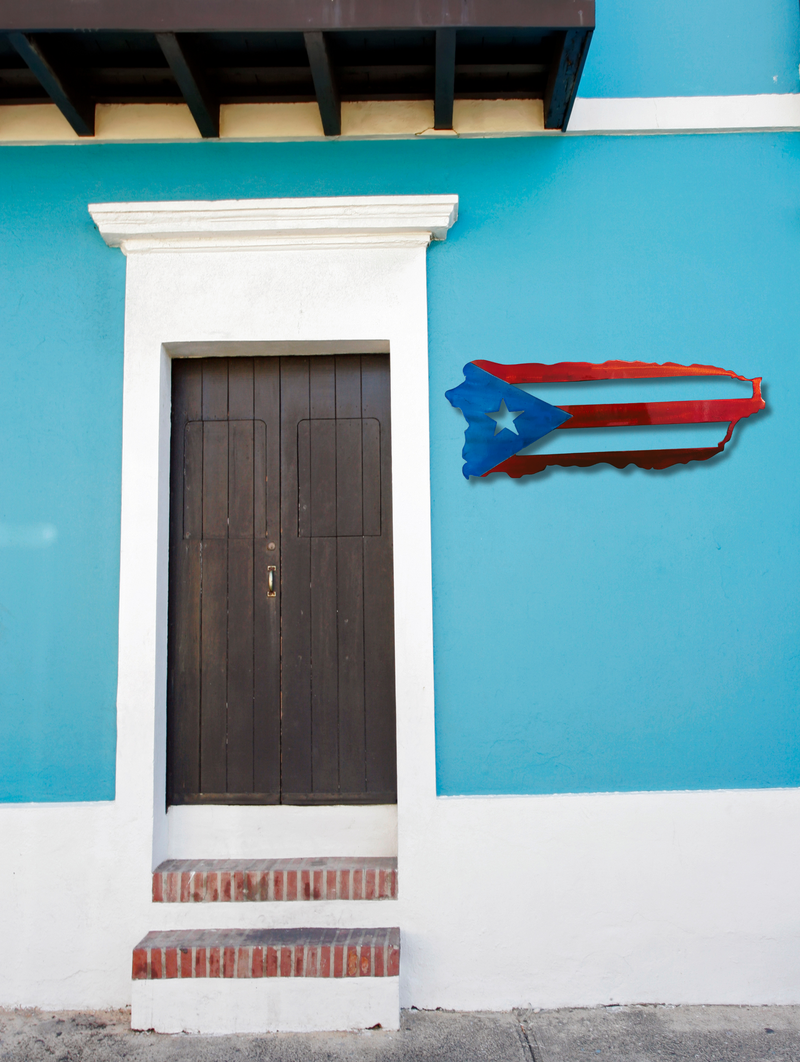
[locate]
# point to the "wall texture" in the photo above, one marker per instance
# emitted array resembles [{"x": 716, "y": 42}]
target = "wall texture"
[
  {"x": 595, "y": 630},
  {"x": 685, "y": 48}
]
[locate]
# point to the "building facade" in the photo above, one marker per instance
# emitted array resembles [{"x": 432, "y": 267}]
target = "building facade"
[{"x": 587, "y": 769}]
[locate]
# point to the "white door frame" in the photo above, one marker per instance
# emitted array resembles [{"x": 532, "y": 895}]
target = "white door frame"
[{"x": 245, "y": 277}]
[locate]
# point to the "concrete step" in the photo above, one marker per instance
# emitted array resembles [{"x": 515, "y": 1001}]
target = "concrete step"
[
  {"x": 264, "y": 880},
  {"x": 266, "y": 980}
]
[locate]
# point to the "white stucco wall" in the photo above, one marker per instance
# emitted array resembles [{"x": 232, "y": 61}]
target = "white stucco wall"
[{"x": 507, "y": 901}]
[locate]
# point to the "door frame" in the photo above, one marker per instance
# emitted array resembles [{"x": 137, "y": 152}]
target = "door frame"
[{"x": 269, "y": 277}]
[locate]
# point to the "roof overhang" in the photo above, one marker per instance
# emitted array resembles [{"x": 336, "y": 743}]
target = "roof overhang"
[{"x": 205, "y": 52}]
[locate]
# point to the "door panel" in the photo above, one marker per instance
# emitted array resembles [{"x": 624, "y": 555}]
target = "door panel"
[{"x": 281, "y": 462}]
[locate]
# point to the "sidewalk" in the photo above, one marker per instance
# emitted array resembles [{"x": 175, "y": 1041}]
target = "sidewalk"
[{"x": 621, "y": 1034}]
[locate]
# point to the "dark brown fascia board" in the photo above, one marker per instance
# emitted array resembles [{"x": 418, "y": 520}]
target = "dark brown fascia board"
[{"x": 254, "y": 16}]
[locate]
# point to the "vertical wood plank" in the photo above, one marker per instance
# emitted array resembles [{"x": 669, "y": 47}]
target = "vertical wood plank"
[
  {"x": 266, "y": 611},
  {"x": 215, "y": 388},
  {"x": 240, "y": 388},
  {"x": 322, "y": 387},
  {"x": 324, "y": 643},
  {"x": 304, "y": 502},
  {"x": 241, "y": 491},
  {"x": 379, "y": 677},
  {"x": 371, "y": 475},
  {"x": 259, "y": 479},
  {"x": 239, "y": 750},
  {"x": 214, "y": 653},
  {"x": 348, "y": 445},
  {"x": 183, "y": 705},
  {"x": 379, "y": 680},
  {"x": 214, "y": 561},
  {"x": 350, "y": 630},
  {"x": 240, "y": 457},
  {"x": 192, "y": 474},
  {"x": 322, "y": 453},
  {"x": 295, "y": 590},
  {"x": 322, "y": 408},
  {"x": 324, "y": 667},
  {"x": 183, "y": 655},
  {"x": 240, "y": 478},
  {"x": 215, "y": 479},
  {"x": 348, "y": 385},
  {"x": 349, "y": 505}
]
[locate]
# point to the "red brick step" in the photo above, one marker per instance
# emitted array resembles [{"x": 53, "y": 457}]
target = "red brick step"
[
  {"x": 255, "y": 953},
  {"x": 263, "y": 880}
]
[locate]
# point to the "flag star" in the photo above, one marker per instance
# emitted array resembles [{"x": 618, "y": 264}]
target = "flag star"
[{"x": 504, "y": 418}]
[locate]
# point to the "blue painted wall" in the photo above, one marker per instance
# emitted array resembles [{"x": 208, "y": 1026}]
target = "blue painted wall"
[
  {"x": 596, "y": 629},
  {"x": 693, "y": 48}
]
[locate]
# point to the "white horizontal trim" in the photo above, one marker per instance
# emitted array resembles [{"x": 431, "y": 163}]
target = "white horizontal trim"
[
  {"x": 384, "y": 221},
  {"x": 213, "y": 1006},
  {"x": 32, "y": 124},
  {"x": 687, "y": 114},
  {"x": 611, "y": 793}
]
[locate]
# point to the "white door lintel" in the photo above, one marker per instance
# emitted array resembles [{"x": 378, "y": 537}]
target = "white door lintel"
[{"x": 234, "y": 224}]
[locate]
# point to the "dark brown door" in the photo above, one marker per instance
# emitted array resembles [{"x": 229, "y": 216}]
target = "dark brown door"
[{"x": 281, "y": 638}]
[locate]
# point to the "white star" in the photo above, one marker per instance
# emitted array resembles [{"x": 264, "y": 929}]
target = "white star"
[{"x": 504, "y": 418}]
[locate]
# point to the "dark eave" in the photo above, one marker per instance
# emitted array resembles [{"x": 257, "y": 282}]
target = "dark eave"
[
  {"x": 78, "y": 53},
  {"x": 198, "y": 16}
]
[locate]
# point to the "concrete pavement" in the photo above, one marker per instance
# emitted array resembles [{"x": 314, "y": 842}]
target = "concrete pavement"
[{"x": 614, "y": 1034}]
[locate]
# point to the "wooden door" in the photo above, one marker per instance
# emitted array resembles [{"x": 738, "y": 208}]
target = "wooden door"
[{"x": 281, "y": 638}]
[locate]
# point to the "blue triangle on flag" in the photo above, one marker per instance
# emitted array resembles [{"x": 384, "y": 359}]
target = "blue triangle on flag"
[{"x": 482, "y": 394}]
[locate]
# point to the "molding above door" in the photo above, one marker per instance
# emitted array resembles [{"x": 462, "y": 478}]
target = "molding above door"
[{"x": 258, "y": 224}]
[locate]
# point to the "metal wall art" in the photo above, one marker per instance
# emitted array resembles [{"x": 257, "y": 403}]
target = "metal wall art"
[{"x": 502, "y": 419}]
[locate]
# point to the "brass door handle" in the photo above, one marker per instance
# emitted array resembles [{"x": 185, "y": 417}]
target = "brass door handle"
[{"x": 271, "y": 569}]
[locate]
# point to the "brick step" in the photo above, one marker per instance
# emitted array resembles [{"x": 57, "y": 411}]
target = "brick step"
[
  {"x": 264, "y": 980},
  {"x": 193, "y": 953},
  {"x": 264, "y": 880}
]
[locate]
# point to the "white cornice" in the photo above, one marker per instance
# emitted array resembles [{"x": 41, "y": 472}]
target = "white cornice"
[
  {"x": 227, "y": 224},
  {"x": 687, "y": 114}
]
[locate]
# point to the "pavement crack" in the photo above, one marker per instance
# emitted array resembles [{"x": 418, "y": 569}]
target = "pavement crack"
[{"x": 525, "y": 1040}]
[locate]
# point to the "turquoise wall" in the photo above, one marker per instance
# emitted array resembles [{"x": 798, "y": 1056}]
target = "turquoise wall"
[
  {"x": 693, "y": 48},
  {"x": 594, "y": 629}
]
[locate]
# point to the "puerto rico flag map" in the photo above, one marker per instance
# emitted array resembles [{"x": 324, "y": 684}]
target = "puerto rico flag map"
[{"x": 502, "y": 419}]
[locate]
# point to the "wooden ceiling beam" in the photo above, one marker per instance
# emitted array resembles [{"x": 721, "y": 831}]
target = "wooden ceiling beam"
[
  {"x": 445, "y": 86},
  {"x": 77, "y": 108},
  {"x": 328, "y": 98},
  {"x": 202, "y": 102}
]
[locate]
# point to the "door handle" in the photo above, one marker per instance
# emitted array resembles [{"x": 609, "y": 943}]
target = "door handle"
[{"x": 271, "y": 569}]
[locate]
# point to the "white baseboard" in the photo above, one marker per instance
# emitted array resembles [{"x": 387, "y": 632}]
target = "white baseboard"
[{"x": 270, "y": 1004}]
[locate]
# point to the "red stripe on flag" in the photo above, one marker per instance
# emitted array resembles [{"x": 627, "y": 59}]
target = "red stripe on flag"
[
  {"x": 624, "y": 415},
  {"x": 577, "y": 371}
]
